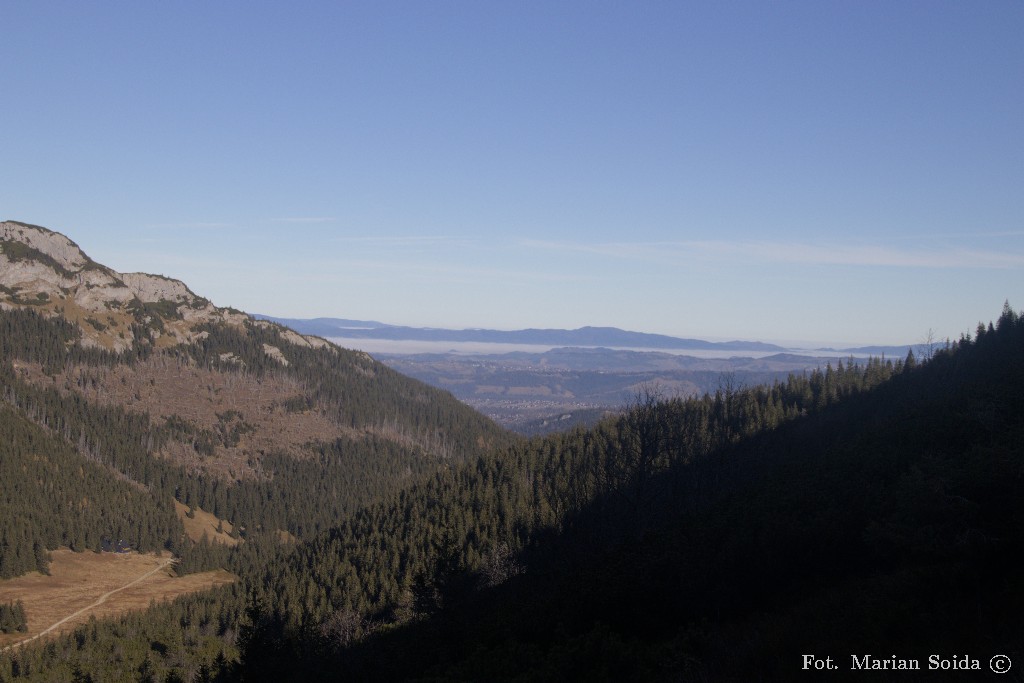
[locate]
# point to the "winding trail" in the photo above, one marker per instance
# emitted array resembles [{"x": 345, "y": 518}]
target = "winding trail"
[{"x": 102, "y": 599}]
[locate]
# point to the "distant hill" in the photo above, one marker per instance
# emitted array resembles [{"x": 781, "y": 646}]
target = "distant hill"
[{"x": 584, "y": 336}]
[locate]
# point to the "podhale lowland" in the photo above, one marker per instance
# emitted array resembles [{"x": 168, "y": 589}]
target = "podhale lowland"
[{"x": 367, "y": 526}]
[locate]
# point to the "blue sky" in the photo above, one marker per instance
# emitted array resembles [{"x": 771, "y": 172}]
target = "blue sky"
[{"x": 822, "y": 171}]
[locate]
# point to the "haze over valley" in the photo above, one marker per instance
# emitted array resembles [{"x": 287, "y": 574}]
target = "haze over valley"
[{"x": 534, "y": 381}]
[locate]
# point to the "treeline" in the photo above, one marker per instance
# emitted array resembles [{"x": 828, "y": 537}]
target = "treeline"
[
  {"x": 51, "y": 342},
  {"x": 187, "y": 640},
  {"x": 13, "y": 618},
  {"x": 51, "y": 496}
]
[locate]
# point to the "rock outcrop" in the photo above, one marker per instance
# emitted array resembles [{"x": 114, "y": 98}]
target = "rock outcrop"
[{"x": 45, "y": 270}]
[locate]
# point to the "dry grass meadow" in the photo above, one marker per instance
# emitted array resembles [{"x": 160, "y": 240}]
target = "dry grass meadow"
[
  {"x": 94, "y": 584},
  {"x": 203, "y": 523}
]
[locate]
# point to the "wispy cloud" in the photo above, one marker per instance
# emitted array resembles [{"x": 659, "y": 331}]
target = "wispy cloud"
[
  {"x": 401, "y": 240},
  {"x": 430, "y": 271},
  {"x": 198, "y": 225},
  {"x": 857, "y": 255},
  {"x": 304, "y": 219},
  {"x": 792, "y": 252},
  {"x": 976, "y": 234}
]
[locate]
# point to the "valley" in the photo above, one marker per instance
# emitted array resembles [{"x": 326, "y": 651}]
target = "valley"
[
  {"x": 540, "y": 381},
  {"x": 539, "y": 392},
  {"x": 293, "y": 508}
]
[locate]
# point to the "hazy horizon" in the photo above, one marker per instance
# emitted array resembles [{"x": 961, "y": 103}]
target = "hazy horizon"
[
  {"x": 788, "y": 344},
  {"x": 410, "y": 347}
]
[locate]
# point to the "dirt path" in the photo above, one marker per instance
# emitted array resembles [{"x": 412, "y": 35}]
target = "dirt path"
[{"x": 102, "y": 599}]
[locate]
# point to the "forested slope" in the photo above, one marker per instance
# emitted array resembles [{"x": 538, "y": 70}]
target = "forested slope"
[
  {"x": 871, "y": 509},
  {"x": 121, "y": 392}
]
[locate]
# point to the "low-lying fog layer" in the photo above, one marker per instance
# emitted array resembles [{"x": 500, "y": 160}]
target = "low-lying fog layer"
[{"x": 409, "y": 347}]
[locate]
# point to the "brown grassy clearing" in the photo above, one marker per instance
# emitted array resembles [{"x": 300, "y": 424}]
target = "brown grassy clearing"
[
  {"x": 78, "y": 580},
  {"x": 204, "y": 523}
]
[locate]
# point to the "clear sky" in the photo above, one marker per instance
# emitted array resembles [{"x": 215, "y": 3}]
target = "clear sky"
[{"x": 823, "y": 171}]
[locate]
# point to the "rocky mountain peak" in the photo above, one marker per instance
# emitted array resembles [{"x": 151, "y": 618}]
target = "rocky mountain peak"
[
  {"x": 45, "y": 270},
  {"x": 62, "y": 251}
]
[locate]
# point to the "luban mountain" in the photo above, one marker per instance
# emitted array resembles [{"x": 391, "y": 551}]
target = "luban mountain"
[
  {"x": 870, "y": 508},
  {"x": 583, "y": 336}
]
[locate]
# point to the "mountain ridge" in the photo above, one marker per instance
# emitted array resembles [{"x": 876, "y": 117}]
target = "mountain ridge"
[
  {"x": 46, "y": 270},
  {"x": 582, "y": 336},
  {"x": 161, "y": 390}
]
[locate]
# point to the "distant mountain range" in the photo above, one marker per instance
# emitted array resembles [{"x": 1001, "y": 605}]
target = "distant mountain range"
[{"x": 584, "y": 336}]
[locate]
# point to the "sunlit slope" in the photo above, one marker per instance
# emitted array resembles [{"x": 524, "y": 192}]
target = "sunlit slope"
[{"x": 134, "y": 391}]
